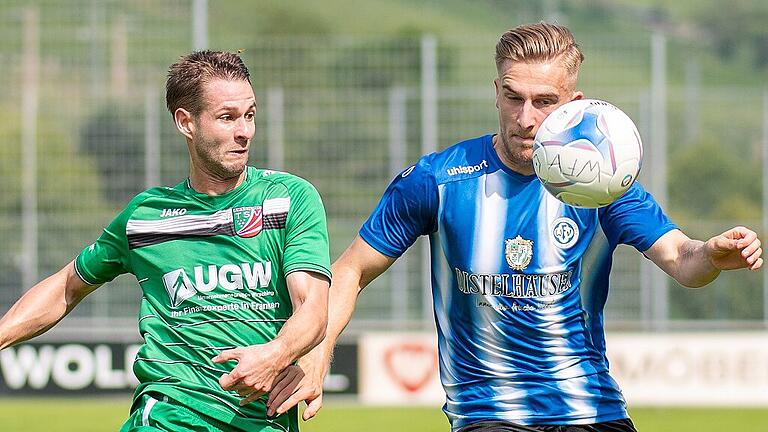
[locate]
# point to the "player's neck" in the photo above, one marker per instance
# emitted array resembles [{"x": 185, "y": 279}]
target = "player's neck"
[{"x": 208, "y": 184}]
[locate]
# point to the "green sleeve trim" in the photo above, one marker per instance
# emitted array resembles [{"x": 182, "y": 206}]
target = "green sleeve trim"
[
  {"x": 79, "y": 272},
  {"x": 309, "y": 267}
]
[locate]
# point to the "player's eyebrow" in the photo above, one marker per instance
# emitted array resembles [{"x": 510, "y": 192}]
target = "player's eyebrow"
[{"x": 509, "y": 88}]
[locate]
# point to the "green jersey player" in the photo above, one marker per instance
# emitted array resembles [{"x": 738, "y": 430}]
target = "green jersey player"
[{"x": 233, "y": 264}]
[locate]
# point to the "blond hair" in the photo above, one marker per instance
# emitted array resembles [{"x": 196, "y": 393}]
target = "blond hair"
[{"x": 540, "y": 42}]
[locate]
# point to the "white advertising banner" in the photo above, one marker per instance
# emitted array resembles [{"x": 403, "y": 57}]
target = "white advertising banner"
[
  {"x": 716, "y": 369},
  {"x": 399, "y": 369},
  {"x": 691, "y": 368}
]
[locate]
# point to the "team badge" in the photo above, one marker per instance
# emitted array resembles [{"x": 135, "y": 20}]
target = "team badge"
[
  {"x": 565, "y": 232},
  {"x": 518, "y": 252},
  {"x": 247, "y": 220}
]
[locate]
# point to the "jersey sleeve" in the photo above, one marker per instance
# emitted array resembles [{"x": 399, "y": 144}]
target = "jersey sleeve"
[
  {"x": 306, "y": 239},
  {"x": 407, "y": 210},
  {"x": 635, "y": 219},
  {"x": 107, "y": 257}
]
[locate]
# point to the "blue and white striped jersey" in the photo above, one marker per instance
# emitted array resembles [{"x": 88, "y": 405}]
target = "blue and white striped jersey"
[{"x": 519, "y": 282}]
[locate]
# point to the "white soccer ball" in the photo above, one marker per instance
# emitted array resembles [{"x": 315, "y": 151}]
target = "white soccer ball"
[{"x": 587, "y": 153}]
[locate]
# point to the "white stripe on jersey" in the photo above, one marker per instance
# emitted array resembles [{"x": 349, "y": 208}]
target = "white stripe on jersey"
[
  {"x": 179, "y": 224},
  {"x": 147, "y": 409},
  {"x": 490, "y": 219},
  {"x": 276, "y": 205},
  {"x": 490, "y": 215},
  {"x": 551, "y": 261}
]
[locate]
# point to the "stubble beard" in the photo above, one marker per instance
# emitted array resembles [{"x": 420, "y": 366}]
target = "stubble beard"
[
  {"x": 521, "y": 159},
  {"x": 215, "y": 167}
]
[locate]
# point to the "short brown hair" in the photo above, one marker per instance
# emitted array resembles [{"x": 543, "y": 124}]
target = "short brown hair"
[
  {"x": 186, "y": 77},
  {"x": 540, "y": 42}
]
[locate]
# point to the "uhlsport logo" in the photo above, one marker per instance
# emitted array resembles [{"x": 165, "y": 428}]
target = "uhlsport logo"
[
  {"x": 230, "y": 277},
  {"x": 518, "y": 252},
  {"x": 467, "y": 169},
  {"x": 565, "y": 232},
  {"x": 247, "y": 220}
]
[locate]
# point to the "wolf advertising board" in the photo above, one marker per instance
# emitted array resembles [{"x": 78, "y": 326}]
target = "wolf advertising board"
[{"x": 70, "y": 368}]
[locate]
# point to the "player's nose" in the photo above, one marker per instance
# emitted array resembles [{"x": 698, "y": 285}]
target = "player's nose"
[
  {"x": 245, "y": 130},
  {"x": 526, "y": 116}
]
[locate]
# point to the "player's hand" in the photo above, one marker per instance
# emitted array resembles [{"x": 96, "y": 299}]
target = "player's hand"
[
  {"x": 736, "y": 248},
  {"x": 255, "y": 373},
  {"x": 294, "y": 386}
]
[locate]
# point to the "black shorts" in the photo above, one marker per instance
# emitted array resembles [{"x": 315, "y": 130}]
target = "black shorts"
[{"x": 623, "y": 425}]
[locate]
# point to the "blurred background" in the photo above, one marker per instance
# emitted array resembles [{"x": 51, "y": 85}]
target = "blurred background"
[{"x": 349, "y": 94}]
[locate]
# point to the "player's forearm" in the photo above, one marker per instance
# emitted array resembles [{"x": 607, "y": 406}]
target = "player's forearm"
[
  {"x": 304, "y": 330},
  {"x": 694, "y": 268},
  {"x": 342, "y": 298},
  {"x": 40, "y": 308},
  {"x": 341, "y": 306}
]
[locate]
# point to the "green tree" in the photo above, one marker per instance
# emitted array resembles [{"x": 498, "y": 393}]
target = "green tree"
[{"x": 739, "y": 26}]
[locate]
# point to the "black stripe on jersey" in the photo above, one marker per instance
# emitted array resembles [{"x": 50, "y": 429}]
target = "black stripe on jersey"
[
  {"x": 138, "y": 240},
  {"x": 274, "y": 220}
]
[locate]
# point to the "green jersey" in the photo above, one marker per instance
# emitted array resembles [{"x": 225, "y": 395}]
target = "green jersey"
[{"x": 212, "y": 272}]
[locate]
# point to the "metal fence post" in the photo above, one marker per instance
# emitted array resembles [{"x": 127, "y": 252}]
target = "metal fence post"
[
  {"x": 29, "y": 109},
  {"x": 397, "y": 160},
  {"x": 428, "y": 145},
  {"x": 658, "y": 153},
  {"x": 151, "y": 139},
  {"x": 765, "y": 198},
  {"x": 199, "y": 24},
  {"x": 275, "y": 129}
]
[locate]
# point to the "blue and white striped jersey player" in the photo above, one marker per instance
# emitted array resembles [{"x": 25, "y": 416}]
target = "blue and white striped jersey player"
[{"x": 519, "y": 316}]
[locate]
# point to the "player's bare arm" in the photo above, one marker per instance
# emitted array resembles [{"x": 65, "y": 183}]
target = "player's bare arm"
[
  {"x": 354, "y": 270},
  {"x": 43, "y": 305},
  {"x": 259, "y": 365},
  {"x": 695, "y": 263}
]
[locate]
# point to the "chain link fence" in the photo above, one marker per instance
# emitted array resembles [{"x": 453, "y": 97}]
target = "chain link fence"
[{"x": 84, "y": 129}]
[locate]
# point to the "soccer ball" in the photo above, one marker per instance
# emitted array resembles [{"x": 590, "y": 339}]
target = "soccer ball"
[{"x": 587, "y": 153}]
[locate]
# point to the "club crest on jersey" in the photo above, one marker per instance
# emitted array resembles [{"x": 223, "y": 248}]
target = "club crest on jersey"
[
  {"x": 247, "y": 220},
  {"x": 565, "y": 232},
  {"x": 518, "y": 252}
]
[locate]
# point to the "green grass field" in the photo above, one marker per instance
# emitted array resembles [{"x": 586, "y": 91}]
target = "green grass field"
[{"x": 92, "y": 415}]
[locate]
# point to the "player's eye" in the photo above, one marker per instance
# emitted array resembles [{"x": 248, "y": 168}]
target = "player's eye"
[
  {"x": 226, "y": 117},
  {"x": 250, "y": 115},
  {"x": 544, "y": 103}
]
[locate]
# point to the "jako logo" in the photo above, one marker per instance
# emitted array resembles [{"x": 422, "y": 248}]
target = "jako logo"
[
  {"x": 229, "y": 276},
  {"x": 173, "y": 212},
  {"x": 468, "y": 169}
]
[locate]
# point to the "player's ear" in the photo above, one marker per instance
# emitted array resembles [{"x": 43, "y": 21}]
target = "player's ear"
[
  {"x": 496, "y": 87},
  {"x": 577, "y": 96},
  {"x": 183, "y": 120}
]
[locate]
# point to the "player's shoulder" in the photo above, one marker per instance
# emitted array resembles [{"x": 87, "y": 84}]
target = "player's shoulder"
[
  {"x": 290, "y": 183},
  {"x": 463, "y": 160},
  {"x": 149, "y": 194},
  {"x": 635, "y": 193},
  {"x": 179, "y": 192},
  {"x": 635, "y": 198},
  {"x": 138, "y": 205}
]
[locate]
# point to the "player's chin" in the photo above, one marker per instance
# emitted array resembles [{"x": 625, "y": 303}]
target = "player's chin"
[
  {"x": 526, "y": 154},
  {"x": 236, "y": 159},
  {"x": 233, "y": 168}
]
